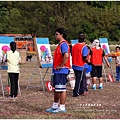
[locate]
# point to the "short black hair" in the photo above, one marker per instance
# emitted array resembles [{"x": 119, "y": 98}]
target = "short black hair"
[
  {"x": 117, "y": 47},
  {"x": 13, "y": 46},
  {"x": 61, "y": 31},
  {"x": 81, "y": 37}
]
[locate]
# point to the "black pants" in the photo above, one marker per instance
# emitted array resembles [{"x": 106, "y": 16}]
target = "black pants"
[
  {"x": 13, "y": 84},
  {"x": 80, "y": 83}
]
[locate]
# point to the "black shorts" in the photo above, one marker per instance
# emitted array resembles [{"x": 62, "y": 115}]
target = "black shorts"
[
  {"x": 59, "y": 82},
  {"x": 96, "y": 71}
]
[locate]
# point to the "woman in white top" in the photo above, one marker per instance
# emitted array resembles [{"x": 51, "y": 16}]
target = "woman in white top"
[{"x": 13, "y": 60}]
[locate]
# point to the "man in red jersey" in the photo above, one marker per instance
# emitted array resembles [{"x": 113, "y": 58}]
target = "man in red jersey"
[
  {"x": 97, "y": 56},
  {"x": 79, "y": 58},
  {"x": 61, "y": 67}
]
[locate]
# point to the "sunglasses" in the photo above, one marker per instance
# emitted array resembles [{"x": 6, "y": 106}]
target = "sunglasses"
[{"x": 56, "y": 34}]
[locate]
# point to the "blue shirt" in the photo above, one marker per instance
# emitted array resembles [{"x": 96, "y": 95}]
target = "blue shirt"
[{"x": 88, "y": 68}]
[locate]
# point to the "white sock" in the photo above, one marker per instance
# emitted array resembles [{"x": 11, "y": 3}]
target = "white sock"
[
  {"x": 62, "y": 106},
  {"x": 94, "y": 85},
  {"x": 55, "y": 105},
  {"x": 101, "y": 84},
  {"x": 88, "y": 81}
]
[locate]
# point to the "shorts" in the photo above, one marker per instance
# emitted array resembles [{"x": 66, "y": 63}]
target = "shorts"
[
  {"x": 96, "y": 71},
  {"x": 59, "y": 82}
]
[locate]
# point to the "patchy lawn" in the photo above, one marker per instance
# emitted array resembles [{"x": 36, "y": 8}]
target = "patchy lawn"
[{"x": 99, "y": 104}]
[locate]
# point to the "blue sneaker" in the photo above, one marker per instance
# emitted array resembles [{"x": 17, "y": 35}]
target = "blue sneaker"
[
  {"x": 94, "y": 88},
  {"x": 100, "y": 87},
  {"x": 58, "y": 110},
  {"x": 50, "y": 109}
]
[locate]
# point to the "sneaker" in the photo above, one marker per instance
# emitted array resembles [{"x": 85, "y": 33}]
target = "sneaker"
[
  {"x": 94, "y": 88},
  {"x": 100, "y": 87},
  {"x": 11, "y": 97},
  {"x": 50, "y": 109},
  {"x": 58, "y": 110},
  {"x": 85, "y": 93}
]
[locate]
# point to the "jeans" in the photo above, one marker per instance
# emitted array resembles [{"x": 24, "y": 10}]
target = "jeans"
[{"x": 117, "y": 73}]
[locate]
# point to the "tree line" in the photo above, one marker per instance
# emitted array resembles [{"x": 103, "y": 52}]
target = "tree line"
[{"x": 95, "y": 18}]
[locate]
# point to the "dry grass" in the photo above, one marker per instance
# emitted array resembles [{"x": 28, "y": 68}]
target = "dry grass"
[{"x": 33, "y": 102}]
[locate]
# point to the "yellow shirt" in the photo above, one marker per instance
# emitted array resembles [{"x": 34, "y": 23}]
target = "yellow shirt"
[
  {"x": 13, "y": 60},
  {"x": 116, "y": 53}
]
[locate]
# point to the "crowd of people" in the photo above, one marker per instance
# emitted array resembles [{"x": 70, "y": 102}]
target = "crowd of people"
[{"x": 86, "y": 62}]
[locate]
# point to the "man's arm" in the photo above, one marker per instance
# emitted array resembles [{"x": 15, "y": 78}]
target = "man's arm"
[
  {"x": 85, "y": 59},
  {"x": 85, "y": 54},
  {"x": 106, "y": 60},
  {"x": 65, "y": 58}
]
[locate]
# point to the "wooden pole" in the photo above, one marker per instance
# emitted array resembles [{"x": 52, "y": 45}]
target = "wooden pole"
[{"x": 36, "y": 49}]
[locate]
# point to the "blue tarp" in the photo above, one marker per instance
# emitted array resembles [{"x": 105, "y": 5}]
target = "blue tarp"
[
  {"x": 74, "y": 41},
  {"x": 6, "y": 39},
  {"x": 42, "y": 40}
]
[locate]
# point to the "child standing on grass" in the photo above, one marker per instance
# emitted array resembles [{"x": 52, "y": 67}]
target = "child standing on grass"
[
  {"x": 117, "y": 61},
  {"x": 13, "y": 59}
]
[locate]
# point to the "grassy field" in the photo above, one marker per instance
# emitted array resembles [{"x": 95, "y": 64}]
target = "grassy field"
[{"x": 99, "y": 104}]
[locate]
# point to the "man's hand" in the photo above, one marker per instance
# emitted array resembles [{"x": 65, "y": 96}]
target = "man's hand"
[
  {"x": 108, "y": 64},
  {"x": 58, "y": 67}
]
